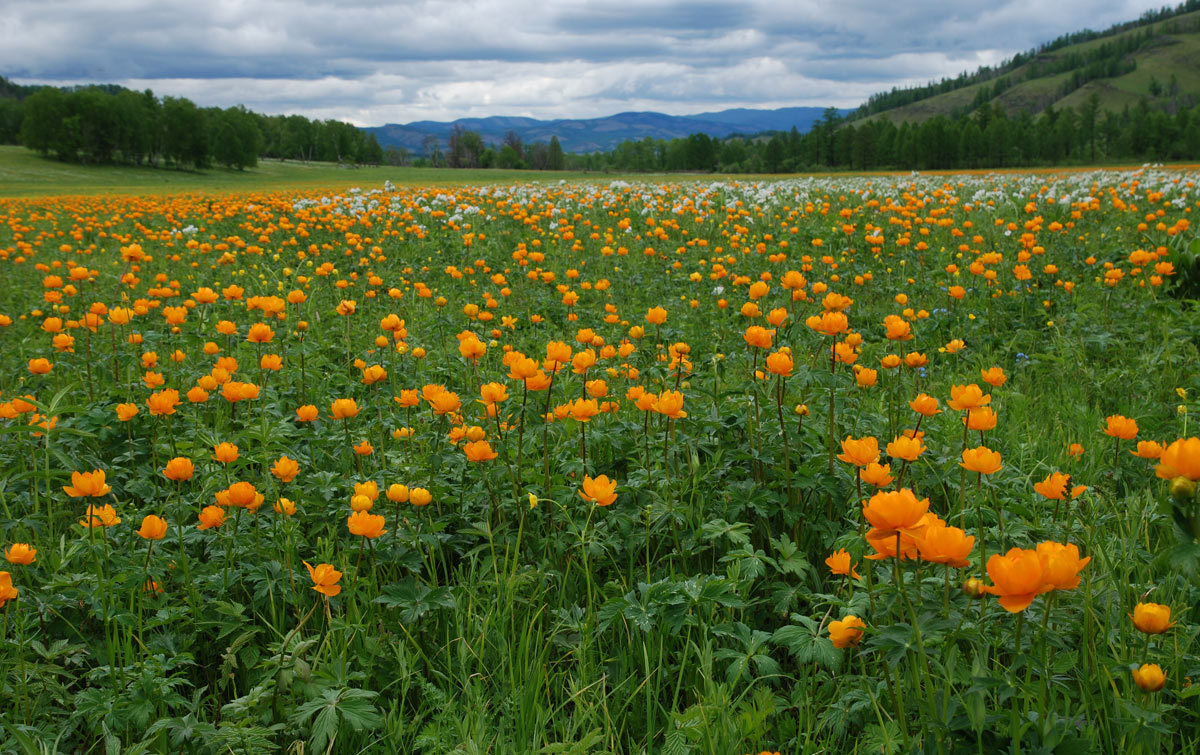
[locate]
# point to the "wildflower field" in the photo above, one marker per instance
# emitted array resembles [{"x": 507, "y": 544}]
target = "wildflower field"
[{"x": 848, "y": 464}]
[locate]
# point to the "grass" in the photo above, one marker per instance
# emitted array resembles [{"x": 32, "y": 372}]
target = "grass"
[
  {"x": 511, "y": 612},
  {"x": 24, "y": 173}
]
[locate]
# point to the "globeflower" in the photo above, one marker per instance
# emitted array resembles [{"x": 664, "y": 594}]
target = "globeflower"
[
  {"x": 210, "y": 517},
  {"x": 21, "y": 554},
  {"x": 1152, "y": 618},
  {"x": 1180, "y": 459},
  {"x": 895, "y": 511},
  {"x": 859, "y": 452},
  {"x": 100, "y": 516},
  {"x": 153, "y": 528},
  {"x": 87, "y": 484},
  {"x": 1150, "y": 677},
  {"x": 847, "y": 632},
  {"x": 839, "y": 562},
  {"x": 325, "y": 579},
  {"x": 285, "y": 469},
  {"x": 982, "y": 460},
  {"x": 1122, "y": 428},
  {"x": 600, "y": 490},
  {"x": 1017, "y": 577},
  {"x": 366, "y": 524}
]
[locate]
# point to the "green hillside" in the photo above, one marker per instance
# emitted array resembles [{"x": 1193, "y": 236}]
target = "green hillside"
[{"x": 1158, "y": 61}]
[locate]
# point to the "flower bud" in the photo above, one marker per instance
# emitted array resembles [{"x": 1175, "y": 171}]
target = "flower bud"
[
  {"x": 973, "y": 588},
  {"x": 1183, "y": 489}
]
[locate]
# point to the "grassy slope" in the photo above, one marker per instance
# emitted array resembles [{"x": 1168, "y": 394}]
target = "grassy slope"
[
  {"x": 26, "y": 174},
  {"x": 1170, "y": 53}
]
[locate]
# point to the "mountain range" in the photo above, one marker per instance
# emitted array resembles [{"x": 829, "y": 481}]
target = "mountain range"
[{"x": 582, "y": 135}]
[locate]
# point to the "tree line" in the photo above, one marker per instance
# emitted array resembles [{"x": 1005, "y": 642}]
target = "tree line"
[
  {"x": 111, "y": 124},
  {"x": 987, "y": 138}
]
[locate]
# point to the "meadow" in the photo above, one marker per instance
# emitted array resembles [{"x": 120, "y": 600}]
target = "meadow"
[{"x": 852, "y": 464}]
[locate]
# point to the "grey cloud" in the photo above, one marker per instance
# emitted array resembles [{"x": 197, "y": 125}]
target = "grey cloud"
[{"x": 375, "y": 62}]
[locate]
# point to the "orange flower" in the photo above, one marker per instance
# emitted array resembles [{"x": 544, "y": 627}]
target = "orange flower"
[
  {"x": 828, "y": 323},
  {"x": 1148, "y": 449},
  {"x": 847, "y": 632},
  {"x": 153, "y": 528},
  {"x": 373, "y": 374},
  {"x": 444, "y": 403},
  {"x": 285, "y": 506},
  {"x": 7, "y": 591},
  {"x": 879, "y": 475},
  {"x": 398, "y": 493},
  {"x": 898, "y": 328},
  {"x": 1148, "y": 676},
  {"x": 100, "y": 516},
  {"x": 1075, "y": 450},
  {"x": 600, "y": 490},
  {"x": 981, "y": 419},
  {"x": 964, "y": 397},
  {"x": 905, "y": 448},
  {"x": 260, "y": 333},
  {"x": 285, "y": 469},
  {"x": 306, "y": 413},
  {"x": 325, "y": 579},
  {"x": 243, "y": 495},
  {"x": 179, "y": 469},
  {"x": 994, "y": 376},
  {"x": 925, "y": 405},
  {"x": 1120, "y": 427},
  {"x": 942, "y": 544},
  {"x": 40, "y": 366},
  {"x": 759, "y": 337},
  {"x": 420, "y": 497},
  {"x": 1151, "y": 618},
  {"x": 479, "y": 450},
  {"x": 981, "y": 459},
  {"x": 493, "y": 393},
  {"x": 1061, "y": 564},
  {"x": 1017, "y": 578},
  {"x": 163, "y": 403},
  {"x": 839, "y": 562},
  {"x": 85, "y": 484},
  {"x": 670, "y": 404},
  {"x": 779, "y": 363},
  {"x": 865, "y": 377},
  {"x": 366, "y": 525},
  {"x": 656, "y": 316},
  {"x": 364, "y": 449},
  {"x": 210, "y": 517},
  {"x": 344, "y": 408},
  {"x": 126, "y": 412},
  {"x": 471, "y": 348},
  {"x": 859, "y": 452},
  {"x": 225, "y": 453},
  {"x": 1054, "y": 486},
  {"x": 1180, "y": 459},
  {"x": 895, "y": 511},
  {"x": 558, "y": 351},
  {"x": 915, "y": 359},
  {"x": 21, "y": 554}
]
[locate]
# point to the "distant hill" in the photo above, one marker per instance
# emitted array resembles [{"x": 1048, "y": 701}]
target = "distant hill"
[
  {"x": 1156, "y": 58},
  {"x": 603, "y": 134}
]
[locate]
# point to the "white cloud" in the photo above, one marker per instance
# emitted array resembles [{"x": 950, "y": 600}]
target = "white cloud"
[{"x": 376, "y": 62}]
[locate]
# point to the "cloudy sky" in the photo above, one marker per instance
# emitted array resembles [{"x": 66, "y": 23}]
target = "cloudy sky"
[{"x": 405, "y": 60}]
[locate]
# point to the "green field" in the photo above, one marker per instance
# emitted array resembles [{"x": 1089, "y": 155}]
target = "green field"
[
  {"x": 839, "y": 464},
  {"x": 26, "y": 174}
]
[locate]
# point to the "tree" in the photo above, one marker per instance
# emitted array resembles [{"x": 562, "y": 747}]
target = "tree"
[
  {"x": 773, "y": 155},
  {"x": 236, "y": 138},
  {"x": 185, "y": 141},
  {"x": 554, "y": 157}
]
